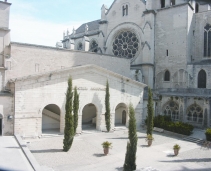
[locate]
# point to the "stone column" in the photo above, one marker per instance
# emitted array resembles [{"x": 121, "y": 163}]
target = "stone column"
[
  {"x": 184, "y": 110},
  {"x": 86, "y": 43},
  {"x": 72, "y": 44},
  {"x": 79, "y": 128}
]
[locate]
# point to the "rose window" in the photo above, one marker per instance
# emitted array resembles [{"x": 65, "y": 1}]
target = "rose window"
[{"x": 126, "y": 44}]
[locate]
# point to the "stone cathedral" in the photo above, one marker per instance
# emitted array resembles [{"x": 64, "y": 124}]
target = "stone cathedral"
[{"x": 163, "y": 44}]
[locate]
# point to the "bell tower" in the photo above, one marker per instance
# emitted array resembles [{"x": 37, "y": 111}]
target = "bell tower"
[{"x": 4, "y": 40}]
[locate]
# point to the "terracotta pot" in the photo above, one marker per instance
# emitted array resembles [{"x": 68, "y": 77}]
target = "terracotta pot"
[
  {"x": 149, "y": 143},
  {"x": 176, "y": 152},
  {"x": 106, "y": 151}
]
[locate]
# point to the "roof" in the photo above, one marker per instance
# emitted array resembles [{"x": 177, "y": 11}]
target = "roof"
[
  {"x": 75, "y": 68},
  {"x": 93, "y": 25}
]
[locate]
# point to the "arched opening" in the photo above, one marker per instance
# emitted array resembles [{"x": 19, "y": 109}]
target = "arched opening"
[
  {"x": 94, "y": 46},
  {"x": 120, "y": 114},
  {"x": 162, "y": 2},
  {"x": 202, "y": 79},
  {"x": 51, "y": 119},
  {"x": 89, "y": 117},
  {"x": 167, "y": 76},
  {"x": 195, "y": 114},
  {"x": 196, "y": 8},
  {"x": 172, "y": 2},
  {"x": 172, "y": 109},
  {"x": 1, "y": 124}
]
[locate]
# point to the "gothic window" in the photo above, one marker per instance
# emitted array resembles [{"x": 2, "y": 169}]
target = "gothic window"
[
  {"x": 124, "y": 10},
  {"x": 80, "y": 46},
  {"x": 167, "y": 76},
  {"x": 172, "y": 2},
  {"x": 207, "y": 40},
  {"x": 162, "y": 3},
  {"x": 195, "y": 114},
  {"x": 126, "y": 44},
  {"x": 196, "y": 8},
  {"x": 202, "y": 79},
  {"x": 94, "y": 46},
  {"x": 172, "y": 109}
]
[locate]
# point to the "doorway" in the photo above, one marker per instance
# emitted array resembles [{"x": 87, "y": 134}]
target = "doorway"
[
  {"x": 89, "y": 117},
  {"x": 124, "y": 117}
]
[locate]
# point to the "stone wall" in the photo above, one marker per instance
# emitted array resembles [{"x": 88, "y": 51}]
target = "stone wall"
[{"x": 33, "y": 94}]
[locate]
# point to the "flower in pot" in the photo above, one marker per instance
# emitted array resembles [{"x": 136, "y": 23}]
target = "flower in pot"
[
  {"x": 176, "y": 149},
  {"x": 149, "y": 139},
  {"x": 106, "y": 145}
]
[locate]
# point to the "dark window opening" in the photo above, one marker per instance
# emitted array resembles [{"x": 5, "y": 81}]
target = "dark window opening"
[
  {"x": 167, "y": 76},
  {"x": 193, "y": 32},
  {"x": 125, "y": 10},
  {"x": 0, "y": 127},
  {"x": 202, "y": 79},
  {"x": 167, "y": 52},
  {"x": 172, "y": 2},
  {"x": 196, "y": 8},
  {"x": 162, "y": 3},
  {"x": 207, "y": 40}
]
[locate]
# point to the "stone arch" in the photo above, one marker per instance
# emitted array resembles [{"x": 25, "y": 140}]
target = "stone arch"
[
  {"x": 195, "y": 114},
  {"x": 171, "y": 108},
  {"x": 93, "y": 46},
  {"x": 79, "y": 46},
  {"x": 89, "y": 117},
  {"x": 51, "y": 117},
  {"x": 121, "y": 114},
  {"x": 167, "y": 75},
  {"x": 147, "y": 23},
  {"x": 181, "y": 79}
]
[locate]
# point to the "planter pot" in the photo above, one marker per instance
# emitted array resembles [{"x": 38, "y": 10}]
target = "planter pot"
[
  {"x": 176, "y": 152},
  {"x": 106, "y": 151},
  {"x": 149, "y": 143}
]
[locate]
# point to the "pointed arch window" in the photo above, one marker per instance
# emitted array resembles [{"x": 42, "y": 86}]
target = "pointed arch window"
[
  {"x": 207, "y": 40},
  {"x": 124, "y": 10},
  {"x": 172, "y": 109},
  {"x": 94, "y": 46},
  {"x": 167, "y": 76},
  {"x": 202, "y": 79},
  {"x": 195, "y": 114}
]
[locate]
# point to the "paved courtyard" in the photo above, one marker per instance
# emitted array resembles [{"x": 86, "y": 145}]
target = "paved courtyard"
[{"x": 87, "y": 153}]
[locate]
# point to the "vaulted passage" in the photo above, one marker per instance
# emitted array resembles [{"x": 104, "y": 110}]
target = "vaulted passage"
[
  {"x": 89, "y": 117},
  {"x": 121, "y": 114},
  {"x": 51, "y": 119}
]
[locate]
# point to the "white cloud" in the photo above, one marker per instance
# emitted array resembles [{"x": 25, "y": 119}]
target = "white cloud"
[{"x": 36, "y": 31}]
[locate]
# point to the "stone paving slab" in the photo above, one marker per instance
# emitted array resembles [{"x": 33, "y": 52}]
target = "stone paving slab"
[
  {"x": 11, "y": 155},
  {"x": 87, "y": 153}
]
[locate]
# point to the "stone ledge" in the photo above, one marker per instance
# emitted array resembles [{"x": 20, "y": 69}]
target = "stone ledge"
[{"x": 35, "y": 165}]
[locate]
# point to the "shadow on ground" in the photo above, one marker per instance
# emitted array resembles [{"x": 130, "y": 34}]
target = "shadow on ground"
[
  {"x": 47, "y": 151},
  {"x": 119, "y": 168},
  {"x": 99, "y": 155},
  {"x": 190, "y": 160}
]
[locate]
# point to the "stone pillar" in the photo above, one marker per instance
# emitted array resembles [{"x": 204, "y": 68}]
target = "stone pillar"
[
  {"x": 79, "y": 128},
  {"x": 72, "y": 44},
  {"x": 86, "y": 43},
  {"x": 184, "y": 110}
]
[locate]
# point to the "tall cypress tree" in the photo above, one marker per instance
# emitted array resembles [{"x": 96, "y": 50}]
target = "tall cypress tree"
[
  {"x": 75, "y": 108},
  {"x": 107, "y": 106},
  {"x": 130, "y": 157},
  {"x": 150, "y": 112},
  {"x": 69, "y": 120}
]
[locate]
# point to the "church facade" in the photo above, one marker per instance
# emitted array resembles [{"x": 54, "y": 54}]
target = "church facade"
[
  {"x": 168, "y": 43},
  {"x": 163, "y": 44}
]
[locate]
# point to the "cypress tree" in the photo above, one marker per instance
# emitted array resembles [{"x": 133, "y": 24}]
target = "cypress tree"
[
  {"x": 150, "y": 112},
  {"x": 69, "y": 122},
  {"x": 130, "y": 157},
  {"x": 107, "y": 106},
  {"x": 75, "y": 108}
]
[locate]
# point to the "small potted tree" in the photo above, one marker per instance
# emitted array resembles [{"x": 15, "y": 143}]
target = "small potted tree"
[
  {"x": 149, "y": 139},
  {"x": 106, "y": 145},
  {"x": 176, "y": 149}
]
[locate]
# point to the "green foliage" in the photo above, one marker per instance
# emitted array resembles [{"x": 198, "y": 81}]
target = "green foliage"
[
  {"x": 69, "y": 120},
  {"x": 164, "y": 122},
  {"x": 107, "y": 106},
  {"x": 107, "y": 144},
  {"x": 75, "y": 108},
  {"x": 150, "y": 112},
  {"x": 208, "y": 134},
  {"x": 149, "y": 137},
  {"x": 130, "y": 157},
  {"x": 176, "y": 146}
]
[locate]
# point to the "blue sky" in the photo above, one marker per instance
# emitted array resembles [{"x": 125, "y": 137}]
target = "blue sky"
[{"x": 43, "y": 21}]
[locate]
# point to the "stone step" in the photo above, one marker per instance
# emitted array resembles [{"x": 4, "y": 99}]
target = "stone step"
[{"x": 194, "y": 140}]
